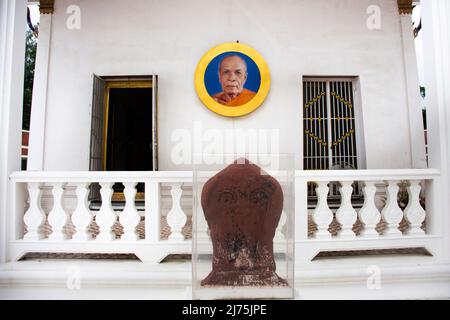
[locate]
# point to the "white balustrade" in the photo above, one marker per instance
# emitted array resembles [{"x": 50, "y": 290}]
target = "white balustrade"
[
  {"x": 57, "y": 218},
  {"x": 414, "y": 213},
  {"x": 129, "y": 218},
  {"x": 82, "y": 217},
  {"x": 369, "y": 214},
  {"x": 106, "y": 217},
  {"x": 322, "y": 215},
  {"x": 34, "y": 218},
  {"x": 391, "y": 213},
  {"x": 346, "y": 215},
  {"x": 176, "y": 218}
]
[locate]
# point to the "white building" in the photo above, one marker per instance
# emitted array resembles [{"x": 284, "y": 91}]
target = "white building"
[{"x": 356, "y": 52}]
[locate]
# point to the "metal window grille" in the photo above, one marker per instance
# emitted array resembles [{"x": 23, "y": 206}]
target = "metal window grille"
[{"x": 329, "y": 127}]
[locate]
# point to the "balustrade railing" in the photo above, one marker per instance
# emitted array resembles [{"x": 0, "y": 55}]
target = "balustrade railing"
[
  {"x": 53, "y": 213},
  {"x": 397, "y": 211},
  {"x": 50, "y": 212}
]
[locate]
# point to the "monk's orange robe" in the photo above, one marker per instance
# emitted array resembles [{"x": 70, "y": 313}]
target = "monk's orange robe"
[{"x": 243, "y": 98}]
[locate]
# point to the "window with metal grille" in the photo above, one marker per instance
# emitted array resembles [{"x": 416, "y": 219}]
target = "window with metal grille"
[{"x": 329, "y": 125}]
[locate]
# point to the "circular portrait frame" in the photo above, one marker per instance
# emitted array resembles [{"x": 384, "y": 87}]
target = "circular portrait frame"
[{"x": 232, "y": 111}]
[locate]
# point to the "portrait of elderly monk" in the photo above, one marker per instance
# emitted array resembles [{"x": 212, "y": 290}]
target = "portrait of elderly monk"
[{"x": 232, "y": 77}]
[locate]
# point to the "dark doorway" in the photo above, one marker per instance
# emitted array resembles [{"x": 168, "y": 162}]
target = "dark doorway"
[
  {"x": 129, "y": 130},
  {"x": 123, "y": 131}
]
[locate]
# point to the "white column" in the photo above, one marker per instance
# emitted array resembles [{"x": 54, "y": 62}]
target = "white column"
[
  {"x": 416, "y": 129},
  {"x": 39, "y": 100},
  {"x": 436, "y": 28},
  {"x": 12, "y": 57}
]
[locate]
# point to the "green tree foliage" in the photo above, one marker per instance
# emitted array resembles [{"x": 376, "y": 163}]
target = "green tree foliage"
[{"x": 30, "y": 59}]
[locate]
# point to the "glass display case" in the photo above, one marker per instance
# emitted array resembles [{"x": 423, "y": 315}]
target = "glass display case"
[{"x": 243, "y": 226}]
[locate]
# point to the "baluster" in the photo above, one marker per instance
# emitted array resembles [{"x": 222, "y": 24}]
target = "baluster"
[
  {"x": 380, "y": 195},
  {"x": 279, "y": 233},
  {"x": 34, "y": 218},
  {"x": 414, "y": 213},
  {"x": 57, "y": 218},
  {"x": 369, "y": 214},
  {"x": 81, "y": 217},
  {"x": 152, "y": 211},
  {"x": 322, "y": 215},
  {"x": 129, "y": 218},
  {"x": 346, "y": 214},
  {"x": 391, "y": 213},
  {"x": 106, "y": 217},
  {"x": 176, "y": 218}
]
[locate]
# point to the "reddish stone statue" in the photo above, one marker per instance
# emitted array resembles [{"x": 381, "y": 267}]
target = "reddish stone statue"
[{"x": 242, "y": 205}]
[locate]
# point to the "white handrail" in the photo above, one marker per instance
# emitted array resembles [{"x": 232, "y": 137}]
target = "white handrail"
[
  {"x": 101, "y": 176},
  {"x": 186, "y": 176},
  {"x": 373, "y": 174}
]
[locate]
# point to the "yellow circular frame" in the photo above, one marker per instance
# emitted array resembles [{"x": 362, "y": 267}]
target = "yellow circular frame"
[{"x": 228, "y": 111}]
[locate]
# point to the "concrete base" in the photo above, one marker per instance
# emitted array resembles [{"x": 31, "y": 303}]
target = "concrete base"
[{"x": 81, "y": 279}]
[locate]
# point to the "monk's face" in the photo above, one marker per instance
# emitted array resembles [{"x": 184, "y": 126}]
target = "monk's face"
[{"x": 232, "y": 75}]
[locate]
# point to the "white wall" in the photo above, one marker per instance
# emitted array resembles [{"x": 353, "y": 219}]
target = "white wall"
[{"x": 301, "y": 37}]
